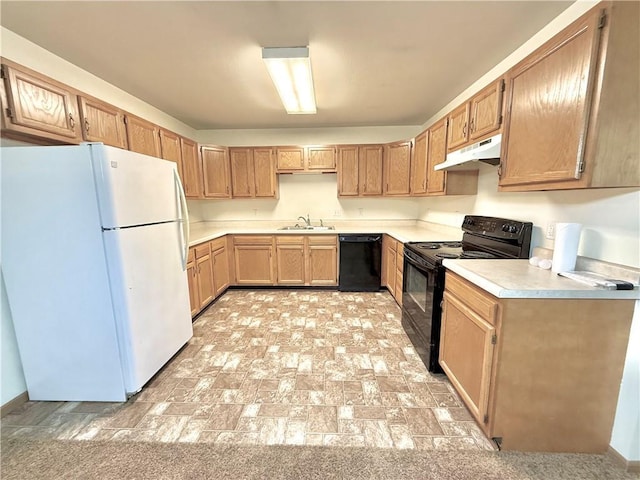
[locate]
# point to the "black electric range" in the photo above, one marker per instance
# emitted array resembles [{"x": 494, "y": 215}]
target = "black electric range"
[{"x": 424, "y": 275}]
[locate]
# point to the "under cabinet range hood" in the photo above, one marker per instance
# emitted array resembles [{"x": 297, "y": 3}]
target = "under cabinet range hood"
[{"x": 487, "y": 151}]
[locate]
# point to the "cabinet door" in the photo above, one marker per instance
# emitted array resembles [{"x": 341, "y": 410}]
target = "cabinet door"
[
  {"x": 253, "y": 257},
  {"x": 458, "y": 127},
  {"x": 321, "y": 158},
  {"x": 397, "y": 168},
  {"x": 170, "y": 148},
  {"x": 142, "y": 136},
  {"x": 466, "y": 354},
  {"x": 215, "y": 172},
  {"x": 348, "y": 171},
  {"x": 290, "y": 262},
  {"x": 102, "y": 123},
  {"x": 204, "y": 268},
  {"x": 192, "y": 276},
  {"x": 399, "y": 270},
  {"x": 486, "y": 111},
  {"x": 264, "y": 173},
  {"x": 419, "y": 165},
  {"x": 191, "y": 169},
  {"x": 290, "y": 158},
  {"x": 323, "y": 261},
  {"x": 437, "y": 153},
  {"x": 547, "y": 111},
  {"x": 388, "y": 274},
  {"x": 242, "y": 183},
  {"x": 39, "y": 107},
  {"x": 370, "y": 169},
  {"x": 220, "y": 270}
]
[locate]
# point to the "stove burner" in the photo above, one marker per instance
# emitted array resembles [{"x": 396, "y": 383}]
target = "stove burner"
[
  {"x": 452, "y": 244},
  {"x": 429, "y": 246},
  {"x": 478, "y": 255},
  {"x": 447, "y": 255}
]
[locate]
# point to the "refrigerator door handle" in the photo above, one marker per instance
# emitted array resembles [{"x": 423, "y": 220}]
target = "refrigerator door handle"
[{"x": 183, "y": 224}]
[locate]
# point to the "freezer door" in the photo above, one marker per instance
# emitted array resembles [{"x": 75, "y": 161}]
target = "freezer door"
[
  {"x": 134, "y": 189},
  {"x": 150, "y": 297}
]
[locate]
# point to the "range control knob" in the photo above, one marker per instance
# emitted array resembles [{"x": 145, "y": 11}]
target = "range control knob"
[{"x": 509, "y": 228}]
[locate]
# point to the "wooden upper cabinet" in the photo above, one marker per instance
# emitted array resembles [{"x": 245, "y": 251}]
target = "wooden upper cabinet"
[
  {"x": 39, "y": 106},
  {"x": 242, "y": 182},
  {"x": 266, "y": 181},
  {"x": 215, "y": 172},
  {"x": 458, "y": 132},
  {"x": 191, "y": 169},
  {"x": 436, "y": 153},
  {"x": 290, "y": 158},
  {"x": 370, "y": 166},
  {"x": 397, "y": 168},
  {"x": 419, "y": 165},
  {"x": 170, "y": 147},
  {"x": 102, "y": 122},
  {"x": 573, "y": 107},
  {"x": 486, "y": 110},
  {"x": 348, "y": 171},
  {"x": 143, "y": 136},
  {"x": 321, "y": 158}
]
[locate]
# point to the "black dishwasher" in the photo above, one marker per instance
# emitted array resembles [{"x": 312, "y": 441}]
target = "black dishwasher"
[{"x": 360, "y": 262}]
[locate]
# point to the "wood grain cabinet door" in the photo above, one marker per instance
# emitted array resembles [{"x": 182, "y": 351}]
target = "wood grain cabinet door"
[
  {"x": 290, "y": 158},
  {"x": 102, "y": 122},
  {"x": 419, "y": 165},
  {"x": 437, "y": 153},
  {"x": 458, "y": 133},
  {"x": 242, "y": 183},
  {"x": 265, "y": 179},
  {"x": 221, "y": 278},
  {"x": 397, "y": 168},
  {"x": 466, "y": 354},
  {"x": 142, "y": 136},
  {"x": 192, "y": 277},
  {"x": 290, "y": 260},
  {"x": 322, "y": 260},
  {"x": 348, "y": 171},
  {"x": 170, "y": 148},
  {"x": 371, "y": 168},
  {"x": 548, "y": 102},
  {"x": 191, "y": 169},
  {"x": 215, "y": 172},
  {"x": 204, "y": 267},
  {"x": 39, "y": 106},
  {"x": 321, "y": 158},
  {"x": 486, "y": 110}
]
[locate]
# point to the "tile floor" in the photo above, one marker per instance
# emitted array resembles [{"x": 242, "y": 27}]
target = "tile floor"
[{"x": 280, "y": 367}]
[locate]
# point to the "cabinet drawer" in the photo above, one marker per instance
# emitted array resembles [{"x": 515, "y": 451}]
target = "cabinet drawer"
[
  {"x": 289, "y": 240},
  {"x": 218, "y": 243},
  {"x": 202, "y": 250},
  {"x": 253, "y": 240},
  {"x": 482, "y": 303},
  {"x": 323, "y": 240}
]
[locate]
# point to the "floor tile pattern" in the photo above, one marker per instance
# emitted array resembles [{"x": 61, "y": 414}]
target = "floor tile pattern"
[{"x": 280, "y": 367}]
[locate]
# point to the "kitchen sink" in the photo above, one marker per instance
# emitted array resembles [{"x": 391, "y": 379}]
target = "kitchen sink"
[{"x": 304, "y": 227}]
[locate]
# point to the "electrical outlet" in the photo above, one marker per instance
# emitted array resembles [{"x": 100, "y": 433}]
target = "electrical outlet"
[
  {"x": 551, "y": 231},
  {"x": 361, "y": 210},
  {"x": 337, "y": 213}
]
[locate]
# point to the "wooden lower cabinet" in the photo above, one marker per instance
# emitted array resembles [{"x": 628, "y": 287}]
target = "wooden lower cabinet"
[
  {"x": 204, "y": 274},
  {"x": 192, "y": 277},
  {"x": 254, "y": 260},
  {"x": 536, "y": 374},
  {"x": 322, "y": 260},
  {"x": 208, "y": 273},
  {"x": 392, "y": 266},
  {"x": 220, "y": 265},
  {"x": 397, "y": 292},
  {"x": 290, "y": 260}
]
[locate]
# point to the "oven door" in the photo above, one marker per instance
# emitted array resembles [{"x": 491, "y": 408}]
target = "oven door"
[{"x": 421, "y": 310}]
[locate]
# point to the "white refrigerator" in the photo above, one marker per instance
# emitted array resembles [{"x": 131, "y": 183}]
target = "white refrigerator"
[{"x": 94, "y": 252}]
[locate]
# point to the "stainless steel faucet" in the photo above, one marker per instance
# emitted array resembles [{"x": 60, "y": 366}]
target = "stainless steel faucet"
[{"x": 306, "y": 220}]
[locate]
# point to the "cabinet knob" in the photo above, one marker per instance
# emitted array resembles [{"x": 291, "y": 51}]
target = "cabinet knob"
[
  {"x": 472, "y": 126},
  {"x": 72, "y": 122},
  {"x": 86, "y": 125},
  {"x": 464, "y": 129}
]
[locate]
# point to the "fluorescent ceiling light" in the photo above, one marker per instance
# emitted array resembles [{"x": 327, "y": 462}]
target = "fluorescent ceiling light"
[{"x": 290, "y": 70}]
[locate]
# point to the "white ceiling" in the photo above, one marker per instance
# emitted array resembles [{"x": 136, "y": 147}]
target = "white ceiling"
[{"x": 379, "y": 63}]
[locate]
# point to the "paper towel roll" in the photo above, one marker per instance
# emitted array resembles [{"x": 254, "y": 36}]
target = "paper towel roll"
[{"x": 565, "y": 248}]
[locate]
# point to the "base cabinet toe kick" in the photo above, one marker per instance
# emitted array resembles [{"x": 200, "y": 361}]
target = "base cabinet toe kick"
[{"x": 536, "y": 374}]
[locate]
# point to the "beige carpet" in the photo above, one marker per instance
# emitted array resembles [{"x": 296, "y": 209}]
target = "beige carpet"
[{"x": 59, "y": 459}]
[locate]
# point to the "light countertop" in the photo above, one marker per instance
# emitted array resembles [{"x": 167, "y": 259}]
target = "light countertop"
[
  {"x": 519, "y": 279},
  {"x": 403, "y": 231}
]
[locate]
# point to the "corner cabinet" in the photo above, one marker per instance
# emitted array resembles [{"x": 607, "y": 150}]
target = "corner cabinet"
[
  {"x": 208, "y": 272},
  {"x": 573, "y": 108},
  {"x": 537, "y": 374},
  {"x": 253, "y": 173},
  {"x": 216, "y": 172},
  {"x": 360, "y": 170},
  {"x": 37, "y": 106},
  {"x": 191, "y": 169}
]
